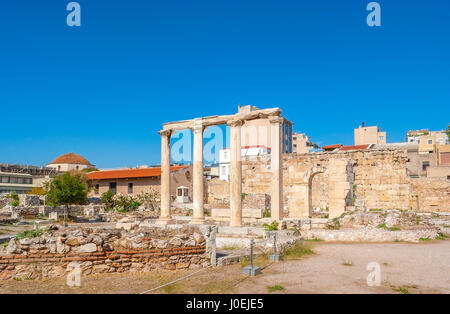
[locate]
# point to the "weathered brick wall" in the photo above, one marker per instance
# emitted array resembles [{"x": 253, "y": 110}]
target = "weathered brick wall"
[{"x": 103, "y": 250}]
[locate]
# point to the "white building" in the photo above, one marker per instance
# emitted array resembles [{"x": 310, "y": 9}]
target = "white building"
[{"x": 246, "y": 151}]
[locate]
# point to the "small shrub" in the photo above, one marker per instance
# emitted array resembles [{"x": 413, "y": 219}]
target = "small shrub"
[
  {"x": 266, "y": 213},
  {"x": 442, "y": 236},
  {"x": 382, "y": 226},
  {"x": 334, "y": 224},
  {"x": 108, "y": 199},
  {"x": 15, "y": 199},
  {"x": 37, "y": 191},
  {"x": 272, "y": 227}
]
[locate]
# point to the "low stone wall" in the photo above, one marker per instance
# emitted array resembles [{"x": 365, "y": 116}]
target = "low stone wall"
[
  {"x": 371, "y": 235},
  {"x": 103, "y": 250},
  {"x": 28, "y": 200}
]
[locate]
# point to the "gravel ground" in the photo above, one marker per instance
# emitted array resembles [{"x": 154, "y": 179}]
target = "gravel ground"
[
  {"x": 341, "y": 268},
  {"x": 335, "y": 268}
]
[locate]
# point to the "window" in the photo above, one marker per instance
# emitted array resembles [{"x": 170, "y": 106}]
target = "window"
[
  {"x": 97, "y": 188},
  {"x": 113, "y": 187},
  {"x": 130, "y": 188},
  {"x": 295, "y": 145},
  {"x": 224, "y": 170},
  {"x": 381, "y": 138},
  {"x": 425, "y": 165},
  {"x": 430, "y": 142}
]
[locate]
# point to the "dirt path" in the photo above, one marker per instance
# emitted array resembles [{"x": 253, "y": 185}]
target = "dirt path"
[
  {"x": 416, "y": 268},
  {"x": 341, "y": 268}
]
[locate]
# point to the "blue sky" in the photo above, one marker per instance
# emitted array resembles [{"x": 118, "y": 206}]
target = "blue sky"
[{"x": 104, "y": 89}]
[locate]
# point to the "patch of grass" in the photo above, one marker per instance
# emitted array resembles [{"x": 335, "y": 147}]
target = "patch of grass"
[
  {"x": 229, "y": 247},
  {"x": 4, "y": 244},
  {"x": 424, "y": 239},
  {"x": 394, "y": 229},
  {"x": 275, "y": 288},
  {"x": 347, "y": 263},
  {"x": 29, "y": 234},
  {"x": 314, "y": 240},
  {"x": 401, "y": 289},
  {"x": 442, "y": 236},
  {"x": 296, "y": 251},
  {"x": 375, "y": 210},
  {"x": 382, "y": 226},
  {"x": 446, "y": 226}
]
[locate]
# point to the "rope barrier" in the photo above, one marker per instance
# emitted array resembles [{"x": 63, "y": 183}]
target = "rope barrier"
[{"x": 179, "y": 279}]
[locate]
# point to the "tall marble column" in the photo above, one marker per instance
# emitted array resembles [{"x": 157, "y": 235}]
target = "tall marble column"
[
  {"x": 235, "y": 173},
  {"x": 165, "y": 217},
  {"x": 198, "y": 184},
  {"x": 276, "y": 166}
]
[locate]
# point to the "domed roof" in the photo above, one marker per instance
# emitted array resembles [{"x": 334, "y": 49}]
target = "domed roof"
[{"x": 70, "y": 158}]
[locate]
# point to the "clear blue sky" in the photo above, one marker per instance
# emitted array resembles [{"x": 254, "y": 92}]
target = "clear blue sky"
[{"x": 104, "y": 89}]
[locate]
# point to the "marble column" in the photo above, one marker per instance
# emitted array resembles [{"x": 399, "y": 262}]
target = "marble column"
[
  {"x": 165, "y": 217},
  {"x": 235, "y": 173},
  {"x": 276, "y": 158},
  {"x": 198, "y": 183}
]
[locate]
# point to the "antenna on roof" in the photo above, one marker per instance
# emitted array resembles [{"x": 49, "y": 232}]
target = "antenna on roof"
[{"x": 363, "y": 124}]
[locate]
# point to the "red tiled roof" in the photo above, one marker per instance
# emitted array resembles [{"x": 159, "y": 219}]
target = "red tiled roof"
[
  {"x": 129, "y": 173},
  {"x": 354, "y": 147},
  {"x": 70, "y": 158},
  {"x": 332, "y": 146}
]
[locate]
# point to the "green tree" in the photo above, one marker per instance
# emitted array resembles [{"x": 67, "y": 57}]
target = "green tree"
[{"x": 66, "y": 189}]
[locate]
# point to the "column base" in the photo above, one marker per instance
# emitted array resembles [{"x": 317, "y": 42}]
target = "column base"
[
  {"x": 164, "y": 221},
  {"x": 197, "y": 221}
]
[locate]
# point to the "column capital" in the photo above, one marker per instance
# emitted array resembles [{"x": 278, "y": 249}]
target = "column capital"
[
  {"x": 197, "y": 126},
  {"x": 235, "y": 122},
  {"x": 276, "y": 119},
  {"x": 165, "y": 132}
]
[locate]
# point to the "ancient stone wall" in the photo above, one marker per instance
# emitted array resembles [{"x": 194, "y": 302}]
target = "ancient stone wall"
[
  {"x": 54, "y": 253},
  {"x": 430, "y": 194},
  {"x": 377, "y": 179}
]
